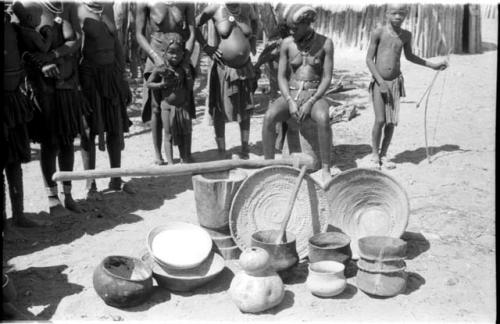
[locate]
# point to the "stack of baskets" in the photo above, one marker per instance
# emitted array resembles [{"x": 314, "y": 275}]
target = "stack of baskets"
[{"x": 381, "y": 267}]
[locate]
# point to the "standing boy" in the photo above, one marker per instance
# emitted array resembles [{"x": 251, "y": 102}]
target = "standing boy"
[{"x": 386, "y": 88}]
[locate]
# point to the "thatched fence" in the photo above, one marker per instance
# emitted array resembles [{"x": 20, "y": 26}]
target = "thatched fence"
[{"x": 436, "y": 29}]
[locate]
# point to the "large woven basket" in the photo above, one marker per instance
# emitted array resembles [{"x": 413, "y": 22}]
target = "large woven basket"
[
  {"x": 261, "y": 200},
  {"x": 365, "y": 202}
]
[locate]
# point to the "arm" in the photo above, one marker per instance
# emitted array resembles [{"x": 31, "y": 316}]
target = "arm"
[
  {"x": 150, "y": 82},
  {"x": 282, "y": 80},
  {"x": 207, "y": 14},
  {"x": 410, "y": 56},
  {"x": 140, "y": 28},
  {"x": 370, "y": 56},
  {"x": 254, "y": 24},
  {"x": 191, "y": 23}
]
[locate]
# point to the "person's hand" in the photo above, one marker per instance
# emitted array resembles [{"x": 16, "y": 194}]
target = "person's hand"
[
  {"x": 440, "y": 66},
  {"x": 213, "y": 52},
  {"x": 292, "y": 108},
  {"x": 43, "y": 58},
  {"x": 305, "y": 110},
  {"x": 50, "y": 71},
  {"x": 385, "y": 91}
]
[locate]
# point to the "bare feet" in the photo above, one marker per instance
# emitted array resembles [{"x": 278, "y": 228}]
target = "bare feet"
[
  {"x": 160, "y": 162},
  {"x": 387, "y": 163},
  {"x": 70, "y": 204},
  {"x": 121, "y": 185},
  {"x": 374, "y": 162},
  {"x": 94, "y": 195}
]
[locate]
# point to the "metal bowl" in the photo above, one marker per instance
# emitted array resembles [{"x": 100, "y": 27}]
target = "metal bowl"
[
  {"x": 186, "y": 280},
  {"x": 179, "y": 245},
  {"x": 283, "y": 255}
]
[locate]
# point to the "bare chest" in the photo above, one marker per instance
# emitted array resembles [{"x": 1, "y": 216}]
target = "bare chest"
[{"x": 167, "y": 17}]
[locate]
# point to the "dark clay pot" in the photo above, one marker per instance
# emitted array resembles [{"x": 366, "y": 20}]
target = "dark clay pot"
[
  {"x": 284, "y": 255},
  {"x": 330, "y": 246},
  {"x": 123, "y": 281}
]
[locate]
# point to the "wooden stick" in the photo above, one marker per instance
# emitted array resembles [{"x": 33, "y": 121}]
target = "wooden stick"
[
  {"x": 182, "y": 169},
  {"x": 288, "y": 212}
]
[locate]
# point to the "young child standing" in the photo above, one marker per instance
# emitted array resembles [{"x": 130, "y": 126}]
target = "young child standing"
[
  {"x": 386, "y": 88},
  {"x": 173, "y": 81}
]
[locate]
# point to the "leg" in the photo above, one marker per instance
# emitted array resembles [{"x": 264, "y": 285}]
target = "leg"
[
  {"x": 378, "y": 125},
  {"x": 319, "y": 113},
  {"x": 114, "y": 148},
  {"x": 156, "y": 131},
  {"x": 165, "y": 117},
  {"x": 245, "y": 137},
  {"x": 388, "y": 132},
  {"x": 66, "y": 160},
  {"x": 48, "y": 155},
  {"x": 277, "y": 112},
  {"x": 220, "y": 133},
  {"x": 88, "y": 158}
]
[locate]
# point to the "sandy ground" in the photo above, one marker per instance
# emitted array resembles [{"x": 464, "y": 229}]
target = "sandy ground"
[{"x": 451, "y": 235}]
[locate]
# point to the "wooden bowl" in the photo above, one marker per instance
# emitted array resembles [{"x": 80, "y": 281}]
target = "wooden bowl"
[
  {"x": 333, "y": 246},
  {"x": 123, "y": 281},
  {"x": 186, "y": 280},
  {"x": 381, "y": 248},
  {"x": 179, "y": 245}
]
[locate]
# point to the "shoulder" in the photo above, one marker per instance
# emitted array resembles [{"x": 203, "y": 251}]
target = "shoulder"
[
  {"x": 326, "y": 41},
  {"x": 211, "y": 9},
  {"x": 406, "y": 35},
  {"x": 378, "y": 31}
]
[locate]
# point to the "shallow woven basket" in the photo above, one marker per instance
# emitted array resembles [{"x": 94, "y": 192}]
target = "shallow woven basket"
[
  {"x": 365, "y": 202},
  {"x": 261, "y": 200}
]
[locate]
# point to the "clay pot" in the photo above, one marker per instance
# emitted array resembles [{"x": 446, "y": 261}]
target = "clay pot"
[
  {"x": 258, "y": 287},
  {"x": 332, "y": 246},
  {"x": 283, "y": 255},
  {"x": 9, "y": 292},
  {"x": 326, "y": 278},
  {"x": 123, "y": 281},
  {"x": 381, "y": 283},
  {"x": 381, "y": 248},
  {"x": 213, "y": 193}
]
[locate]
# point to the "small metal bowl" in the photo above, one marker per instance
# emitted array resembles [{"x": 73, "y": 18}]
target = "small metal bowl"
[{"x": 283, "y": 255}]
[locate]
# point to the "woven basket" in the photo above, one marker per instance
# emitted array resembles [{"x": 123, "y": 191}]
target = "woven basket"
[
  {"x": 365, "y": 202},
  {"x": 261, "y": 200}
]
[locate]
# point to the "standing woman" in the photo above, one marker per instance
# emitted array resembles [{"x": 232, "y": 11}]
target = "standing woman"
[
  {"x": 16, "y": 111},
  {"x": 232, "y": 75},
  {"x": 104, "y": 84},
  {"x": 160, "y": 18},
  {"x": 61, "y": 104},
  {"x": 309, "y": 58}
]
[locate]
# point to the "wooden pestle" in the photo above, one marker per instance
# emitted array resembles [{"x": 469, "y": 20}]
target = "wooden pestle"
[{"x": 288, "y": 212}]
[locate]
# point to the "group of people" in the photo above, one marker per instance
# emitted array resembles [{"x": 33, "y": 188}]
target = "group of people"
[{"x": 64, "y": 76}]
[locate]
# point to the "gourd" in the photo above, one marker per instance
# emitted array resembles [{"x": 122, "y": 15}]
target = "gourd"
[{"x": 256, "y": 288}]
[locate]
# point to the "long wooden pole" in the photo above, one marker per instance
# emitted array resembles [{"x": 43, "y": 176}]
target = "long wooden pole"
[{"x": 297, "y": 160}]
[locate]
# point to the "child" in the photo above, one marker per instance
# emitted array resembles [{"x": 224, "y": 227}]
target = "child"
[
  {"x": 383, "y": 60},
  {"x": 173, "y": 82}
]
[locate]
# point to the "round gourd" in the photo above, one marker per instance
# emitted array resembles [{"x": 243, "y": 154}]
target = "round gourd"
[{"x": 254, "y": 260}]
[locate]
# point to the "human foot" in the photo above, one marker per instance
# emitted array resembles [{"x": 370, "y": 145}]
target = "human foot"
[
  {"x": 118, "y": 185},
  {"x": 94, "y": 195},
  {"x": 71, "y": 204},
  {"x": 59, "y": 211},
  {"x": 387, "y": 163},
  {"x": 374, "y": 162},
  {"x": 160, "y": 162}
]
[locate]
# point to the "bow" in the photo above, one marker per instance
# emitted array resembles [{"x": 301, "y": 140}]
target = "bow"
[{"x": 429, "y": 88}]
